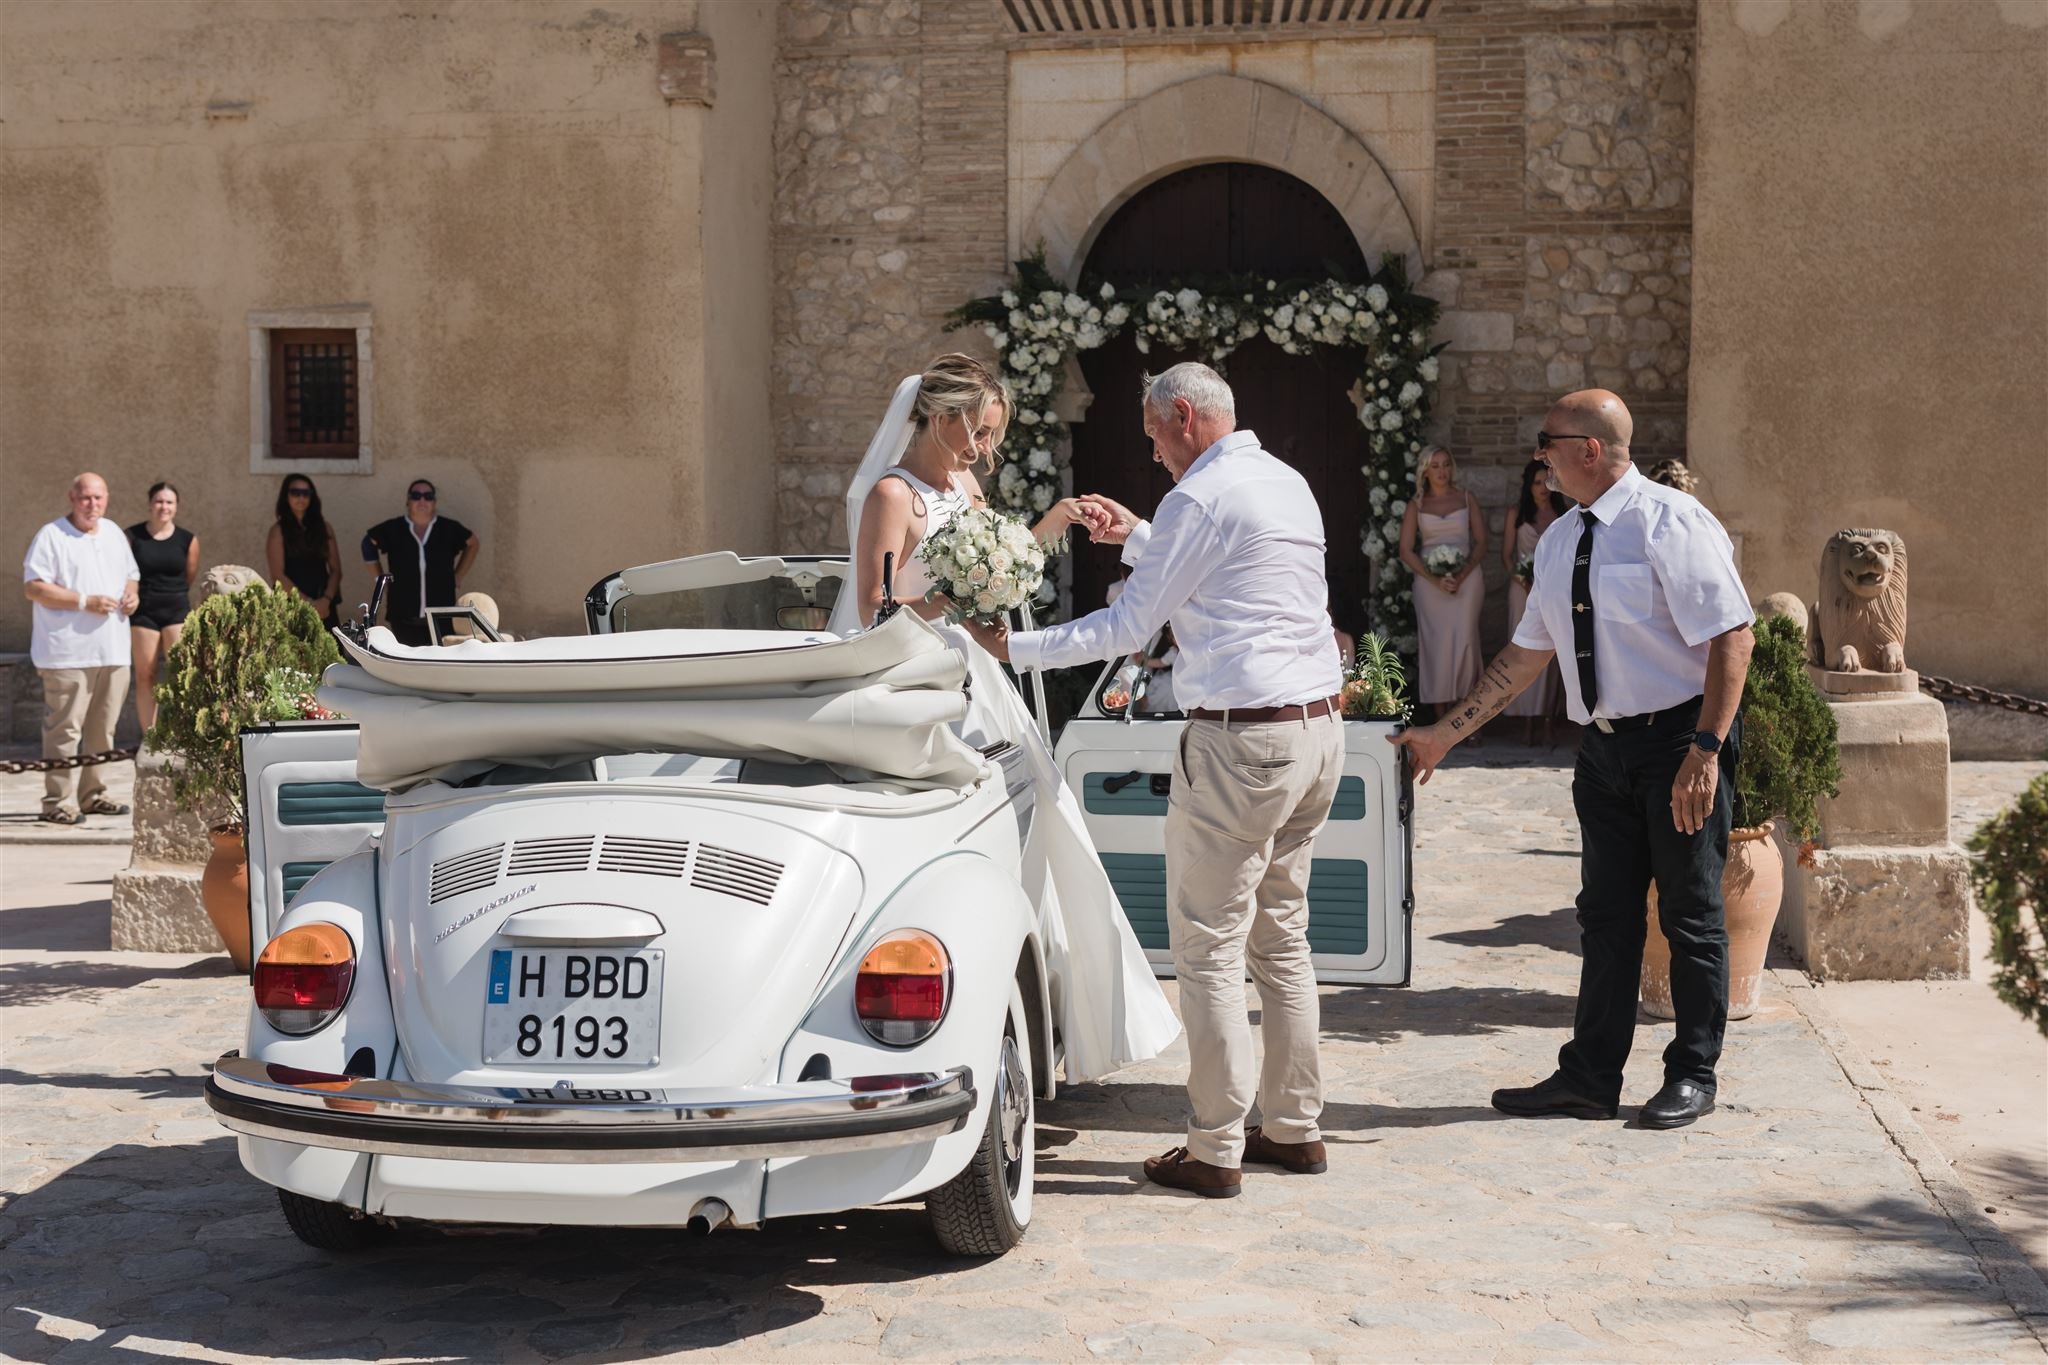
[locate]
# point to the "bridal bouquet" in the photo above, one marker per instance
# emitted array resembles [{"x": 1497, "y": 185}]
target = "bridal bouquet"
[
  {"x": 1441, "y": 560},
  {"x": 986, "y": 561}
]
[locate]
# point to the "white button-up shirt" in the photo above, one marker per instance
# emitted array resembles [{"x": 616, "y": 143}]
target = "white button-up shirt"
[
  {"x": 1234, "y": 559},
  {"x": 1664, "y": 585}
]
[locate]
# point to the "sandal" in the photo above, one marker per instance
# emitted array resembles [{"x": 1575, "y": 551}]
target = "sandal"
[
  {"x": 103, "y": 805},
  {"x": 61, "y": 817}
]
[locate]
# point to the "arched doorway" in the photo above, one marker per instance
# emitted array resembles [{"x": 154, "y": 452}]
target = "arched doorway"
[{"x": 1228, "y": 218}]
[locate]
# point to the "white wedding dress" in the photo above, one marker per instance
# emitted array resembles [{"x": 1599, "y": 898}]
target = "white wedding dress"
[{"x": 1106, "y": 1003}]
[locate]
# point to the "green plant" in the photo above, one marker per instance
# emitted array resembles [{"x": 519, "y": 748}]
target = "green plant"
[
  {"x": 1790, "y": 759},
  {"x": 2010, "y": 876},
  {"x": 245, "y": 658},
  {"x": 1375, "y": 684}
]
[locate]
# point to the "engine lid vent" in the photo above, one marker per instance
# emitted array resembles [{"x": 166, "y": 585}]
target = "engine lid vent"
[
  {"x": 740, "y": 875},
  {"x": 464, "y": 872},
  {"x": 649, "y": 857},
  {"x": 551, "y": 855}
]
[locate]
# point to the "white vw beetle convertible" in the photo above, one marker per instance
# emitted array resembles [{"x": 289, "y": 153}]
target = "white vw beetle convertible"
[{"x": 705, "y": 918}]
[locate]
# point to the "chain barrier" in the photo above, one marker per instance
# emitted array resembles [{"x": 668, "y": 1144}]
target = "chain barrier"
[
  {"x": 45, "y": 765},
  {"x": 1948, "y": 689}
]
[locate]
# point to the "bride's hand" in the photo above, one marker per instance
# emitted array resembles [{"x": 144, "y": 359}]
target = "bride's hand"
[{"x": 1061, "y": 515}]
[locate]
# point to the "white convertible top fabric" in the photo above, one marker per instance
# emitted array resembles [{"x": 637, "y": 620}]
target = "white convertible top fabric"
[{"x": 884, "y": 702}]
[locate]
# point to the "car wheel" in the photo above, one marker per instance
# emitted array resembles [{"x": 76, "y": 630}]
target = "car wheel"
[
  {"x": 984, "y": 1210},
  {"x": 330, "y": 1227}
]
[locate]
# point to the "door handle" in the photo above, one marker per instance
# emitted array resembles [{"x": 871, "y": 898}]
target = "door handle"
[{"x": 1112, "y": 785}]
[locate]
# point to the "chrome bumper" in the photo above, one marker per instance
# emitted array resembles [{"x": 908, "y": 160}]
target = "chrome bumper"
[{"x": 562, "y": 1125}]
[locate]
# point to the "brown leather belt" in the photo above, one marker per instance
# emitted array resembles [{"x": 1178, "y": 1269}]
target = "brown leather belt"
[{"x": 1260, "y": 715}]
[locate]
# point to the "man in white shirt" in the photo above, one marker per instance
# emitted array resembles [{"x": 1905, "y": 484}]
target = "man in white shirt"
[
  {"x": 81, "y": 577},
  {"x": 1638, "y": 595},
  {"x": 1235, "y": 557}
]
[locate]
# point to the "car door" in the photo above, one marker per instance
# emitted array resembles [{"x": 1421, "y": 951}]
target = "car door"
[
  {"x": 1361, "y": 889},
  {"x": 305, "y": 809}
]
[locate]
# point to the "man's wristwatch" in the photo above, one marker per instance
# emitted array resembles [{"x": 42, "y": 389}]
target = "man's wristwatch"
[{"x": 1706, "y": 741}]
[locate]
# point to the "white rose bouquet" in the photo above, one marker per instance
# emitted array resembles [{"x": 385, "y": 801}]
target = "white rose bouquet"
[
  {"x": 1443, "y": 560},
  {"x": 986, "y": 562}
]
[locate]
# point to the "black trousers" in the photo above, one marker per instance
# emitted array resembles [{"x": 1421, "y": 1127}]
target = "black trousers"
[{"x": 1622, "y": 792}]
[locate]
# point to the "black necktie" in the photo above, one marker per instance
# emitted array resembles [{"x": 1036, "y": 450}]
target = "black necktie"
[{"x": 1582, "y": 614}]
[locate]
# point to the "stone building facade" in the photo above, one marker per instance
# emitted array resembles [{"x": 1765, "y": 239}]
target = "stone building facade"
[{"x": 1531, "y": 158}]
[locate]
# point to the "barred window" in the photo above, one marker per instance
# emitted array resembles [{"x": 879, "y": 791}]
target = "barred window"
[{"x": 314, "y": 398}]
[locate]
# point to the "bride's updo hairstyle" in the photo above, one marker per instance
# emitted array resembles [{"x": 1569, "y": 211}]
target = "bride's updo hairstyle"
[{"x": 957, "y": 385}]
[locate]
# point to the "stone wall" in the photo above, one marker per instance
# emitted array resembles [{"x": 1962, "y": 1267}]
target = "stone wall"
[{"x": 1872, "y": 255}]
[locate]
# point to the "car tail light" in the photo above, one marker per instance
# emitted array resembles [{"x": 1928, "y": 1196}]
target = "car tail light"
[
  {"x": 900, "y": 991},
  {"x": 303, "y": 977}
]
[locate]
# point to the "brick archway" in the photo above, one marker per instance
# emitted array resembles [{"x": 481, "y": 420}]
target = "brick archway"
[{"x": 1217, "y": 118}]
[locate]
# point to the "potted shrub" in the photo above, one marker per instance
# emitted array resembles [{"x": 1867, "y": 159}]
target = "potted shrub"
[
  {"x": 246, "y": 657},
  {"x": 2010, "y": 876},
  {"x": 1789, "y": 761},
  {"x": 1375, "y": 684}
]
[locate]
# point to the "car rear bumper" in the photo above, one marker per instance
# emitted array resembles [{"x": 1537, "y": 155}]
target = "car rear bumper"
[{"x": 613, "y": 1124}]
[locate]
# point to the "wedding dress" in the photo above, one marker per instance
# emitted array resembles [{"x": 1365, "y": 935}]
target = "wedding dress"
[{"x": 1106, "y": 1003}]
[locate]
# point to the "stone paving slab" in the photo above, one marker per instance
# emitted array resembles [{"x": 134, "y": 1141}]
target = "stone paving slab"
[
  {"x": 21, "y": 797},
  {"x": 1787, "y": 1225}
]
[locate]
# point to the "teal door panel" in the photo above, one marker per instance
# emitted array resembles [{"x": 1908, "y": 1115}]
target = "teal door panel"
[
  {"x": 296, "y": 875},
  {"x": 1338, "y": 920},
  {"x": 329, "y": 803},
  {"x": 1350, "y": 802},
  {"x": 1138, "y": 798}
]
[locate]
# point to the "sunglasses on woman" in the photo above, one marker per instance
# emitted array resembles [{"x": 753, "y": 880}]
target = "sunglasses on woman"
[{"x": 298, "y": 492}]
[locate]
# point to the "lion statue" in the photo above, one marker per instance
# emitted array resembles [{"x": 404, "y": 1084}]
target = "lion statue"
[{"x": 1859, "y": 623}]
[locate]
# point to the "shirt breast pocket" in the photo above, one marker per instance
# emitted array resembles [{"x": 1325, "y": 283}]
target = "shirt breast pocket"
[{"x": 1627, "y": 592}]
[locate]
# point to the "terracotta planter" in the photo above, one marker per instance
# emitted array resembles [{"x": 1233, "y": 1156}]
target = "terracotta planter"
[
  {"x": 1752, "y": 886},
  {"x": 224, "y": 891}
]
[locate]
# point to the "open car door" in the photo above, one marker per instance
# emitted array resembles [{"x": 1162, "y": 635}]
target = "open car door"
[
  {"x": 304, "y": 808},
  {"x": 1119, "y": 762}
]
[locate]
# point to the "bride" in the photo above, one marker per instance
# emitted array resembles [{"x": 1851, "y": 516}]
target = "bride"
[
  {"x": 917, "y": 475},
  {"x": 956, "y": 417}
]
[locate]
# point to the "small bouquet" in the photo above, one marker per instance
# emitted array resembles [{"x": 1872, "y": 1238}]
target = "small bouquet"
[
  {"x": 986, "y": 561},
  {"x": 288, "y": 695},
  {"x": 1443, "y": 560},
  {"x": 1525, "y": 571},
  {"x": 1374, "y": 682}
]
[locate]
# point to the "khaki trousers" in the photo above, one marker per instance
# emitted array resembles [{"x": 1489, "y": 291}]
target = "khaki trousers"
[
  {"x": 1248, "y": 801},
  {"x": 79, "y": 703}
]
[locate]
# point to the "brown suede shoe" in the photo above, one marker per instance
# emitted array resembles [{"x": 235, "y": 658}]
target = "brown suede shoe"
[
  {"x": 1302, "y": 1158},
  {"x": 1177, "y": 1170}
]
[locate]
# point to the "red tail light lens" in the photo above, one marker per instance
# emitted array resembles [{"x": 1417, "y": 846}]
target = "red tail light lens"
[
  {"x": 900, "y": 991},
  {"x": 303, "y": 977}
]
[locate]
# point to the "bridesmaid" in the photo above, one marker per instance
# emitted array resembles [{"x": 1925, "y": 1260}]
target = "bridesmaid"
[
  {"x": 1446, "y": 609},
  {"x": 167, "y": 555},
  {"x": 1538, "y": 506}
]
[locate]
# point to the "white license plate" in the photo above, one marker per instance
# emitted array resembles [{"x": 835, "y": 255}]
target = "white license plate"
[{"x": 596, "y": 1005}]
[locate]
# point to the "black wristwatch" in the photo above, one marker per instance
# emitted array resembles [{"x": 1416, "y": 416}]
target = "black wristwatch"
[{"x": 1706, "y": 741}]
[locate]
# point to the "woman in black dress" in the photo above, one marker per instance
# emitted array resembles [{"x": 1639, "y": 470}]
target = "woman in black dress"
[
  {"x": 168, "y": 557},
  {"x": 301, "y": 548}
]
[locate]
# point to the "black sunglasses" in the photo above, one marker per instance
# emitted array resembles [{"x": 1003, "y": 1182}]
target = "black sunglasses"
[
  {"x": 300, "y": 492},
  {"x": 1544, "y": 440},
  {"x": 416, "y": 496}
]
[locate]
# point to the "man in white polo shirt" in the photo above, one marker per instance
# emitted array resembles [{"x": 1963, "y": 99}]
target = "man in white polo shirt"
[
  {"x": 1636, "y": 593},
  {"x": 81, "y": 576},
  {"x": 1235, "y": 558}
]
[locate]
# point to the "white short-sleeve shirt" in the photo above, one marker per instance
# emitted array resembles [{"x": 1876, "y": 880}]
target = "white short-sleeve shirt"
[
  {"x": 100, "y": 564},
  {"x": 1664, "y": 585}
]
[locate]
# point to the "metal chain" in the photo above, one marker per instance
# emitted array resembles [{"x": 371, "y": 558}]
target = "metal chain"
[
  {"x": 44, "y": 765},
  {"x": 1949, "y": 688}
]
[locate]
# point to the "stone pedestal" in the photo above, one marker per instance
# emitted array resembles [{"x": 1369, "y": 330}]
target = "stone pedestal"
[
  {"x": 156, "y": 897},
  {"x": 1887, "y": 897}
]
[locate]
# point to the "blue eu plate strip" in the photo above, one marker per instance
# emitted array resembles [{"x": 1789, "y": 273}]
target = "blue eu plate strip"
[{"x": 501, "y": 977}]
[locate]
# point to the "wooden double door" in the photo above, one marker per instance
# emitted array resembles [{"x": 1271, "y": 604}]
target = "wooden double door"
[{"x": 1228, "y": 219}]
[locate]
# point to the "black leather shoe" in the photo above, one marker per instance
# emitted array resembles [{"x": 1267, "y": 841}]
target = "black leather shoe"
[
  {"x": 1551, "y": 1099},
  {"x": 1677, "y": 1104}
]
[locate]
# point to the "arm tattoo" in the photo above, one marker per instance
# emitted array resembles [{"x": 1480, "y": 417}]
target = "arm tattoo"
[{"x": 1494, "y": 690}]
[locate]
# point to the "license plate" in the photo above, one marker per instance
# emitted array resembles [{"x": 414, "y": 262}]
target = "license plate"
[{"x": 596, "y": 1005}]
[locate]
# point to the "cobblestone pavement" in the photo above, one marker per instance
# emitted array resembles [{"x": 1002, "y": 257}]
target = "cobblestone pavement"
[
  {"x": 1787, "y": 1225},
  {"x": 21, "y": 797}
]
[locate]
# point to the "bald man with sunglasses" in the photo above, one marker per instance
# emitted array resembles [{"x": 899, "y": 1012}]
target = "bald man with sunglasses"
[{"x": 1637, "y": 595}]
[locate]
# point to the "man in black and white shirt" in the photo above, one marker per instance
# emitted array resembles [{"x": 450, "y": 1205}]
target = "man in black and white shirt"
[{"x": 1637, "y": 595}]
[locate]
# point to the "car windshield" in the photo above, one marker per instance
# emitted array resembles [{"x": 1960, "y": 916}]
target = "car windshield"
[{"x": 720, "y": 592}]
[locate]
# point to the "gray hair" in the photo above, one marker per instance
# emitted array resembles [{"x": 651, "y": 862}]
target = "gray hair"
[{"x": 1201, "y": 387}]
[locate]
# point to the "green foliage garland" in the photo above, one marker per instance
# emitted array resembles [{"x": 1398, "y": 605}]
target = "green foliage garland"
[
  {"x": 1790, "y": 759},
  {"x": 2010, "y": 877},
  {"x": 245, "y": 658},
  {"x": 1039, "y": 322}
]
